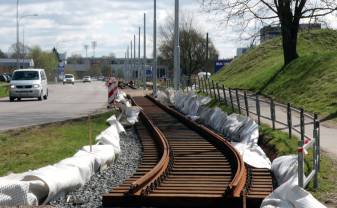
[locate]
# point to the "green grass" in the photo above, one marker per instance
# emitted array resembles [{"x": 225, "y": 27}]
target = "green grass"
[
  {"x": 309, "y": 82},
  {"x": 3, "y": 90},
  {"x": 23, "y": 150}
]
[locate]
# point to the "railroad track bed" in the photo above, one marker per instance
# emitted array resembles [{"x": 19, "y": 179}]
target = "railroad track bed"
[{"x": 185, "y": 164}]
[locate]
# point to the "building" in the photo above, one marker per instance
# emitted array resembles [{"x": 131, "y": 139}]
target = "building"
[
  {"x": 9, "y": 65},
  {"x": 240, "y": 51},
  {"x": 270, "y": 32}
]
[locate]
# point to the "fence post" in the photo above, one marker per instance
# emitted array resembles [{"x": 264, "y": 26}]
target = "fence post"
[
  {"x": 300, "y": 152},
  {"x": 219, "y": 97},
  {"x": 272, "y": 112},
  {"x": 315, "y": 153},
  {"x": 231, "y": 99},
  {"x": 209, "y": 87},
  {"x": 246, "y": 102},
  {"x": 290, "y": 125},
  {"x": 258, "y": 112},
  {"x": 224, "y": 93},
  {"x": 199, "y": 84},
  {"x": 213, "y": 87},
  {"x": 238, "y": 100},
  {"x": 300, "y": 163}
]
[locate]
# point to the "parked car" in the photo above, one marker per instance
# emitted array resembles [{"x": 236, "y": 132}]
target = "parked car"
[
  {"x": 9, "y": 77},
  {"x": 69, "y": 79},
  {"x": 100, "y": 78},
  {"x": 86, "y": 79},
  {"x": 3, "y": 78},
  {"x": 28, "y": 83}
]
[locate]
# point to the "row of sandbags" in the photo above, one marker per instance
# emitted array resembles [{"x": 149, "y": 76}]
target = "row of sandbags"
[
  {"x": 45, "y": 184},
  {"x": 242, "y": 131},
  {"x": 244, "y": 134}
]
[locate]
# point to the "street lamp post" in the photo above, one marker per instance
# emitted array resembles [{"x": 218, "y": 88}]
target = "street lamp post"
[
  {"x": 177, "y": 72},
  {"x": 17, "y": 35},
  {"x": 155, "y": 49},
  {"x": 138, "y": 62},
  {"x": 23, "y": 34},
  {"x": 144, "y": 61}
]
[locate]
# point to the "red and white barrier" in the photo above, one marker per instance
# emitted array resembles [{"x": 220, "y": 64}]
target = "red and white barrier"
[{"x": 112, "y": 90}]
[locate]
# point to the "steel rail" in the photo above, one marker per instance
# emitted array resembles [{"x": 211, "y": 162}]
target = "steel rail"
[
  {"x": 239, "y": 178},
  {"x": 140, "y": 185}
]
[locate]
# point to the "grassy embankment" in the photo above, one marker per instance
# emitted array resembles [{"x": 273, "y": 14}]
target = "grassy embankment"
[
  {"x": 28, "y": 149},
  {"x": 277, "y": 143},
  {"x": 309, "y": 82}
]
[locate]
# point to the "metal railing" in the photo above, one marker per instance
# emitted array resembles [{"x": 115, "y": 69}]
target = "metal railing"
[{"x": 266, "y": 110}]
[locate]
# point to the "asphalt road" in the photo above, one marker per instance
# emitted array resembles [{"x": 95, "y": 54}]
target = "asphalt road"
[{"x": 64, "y": 102}]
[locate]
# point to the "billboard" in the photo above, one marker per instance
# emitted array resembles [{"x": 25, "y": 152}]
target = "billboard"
[{"x": 219, "y": 64}]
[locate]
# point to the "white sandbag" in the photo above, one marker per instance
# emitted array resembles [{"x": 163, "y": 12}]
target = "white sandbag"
[
  {"x": 217, "y": 118},
  {"x": 188, "y": 103},
  {"x": 85, "y": 154},
  {"x": 114, "y": 122},
  {"x": 132, "y": 114},
  {"x": 171, "y": 95},
  {"x": 60, "y": 179},
  {"x": 253, "y": 155},
  {"x": 14, "y": 193},
  {"x": 250, "y": 132},
  {"x": 85, "y": 164},
  {"x": 275, "y": 201},
  {"x": 285, "y": 168},
  {"x": 179, "y": 100},
  {"x": 110, "y": 136},
  {"x": 303, "y": 199},
  {"x": 290, "y": 195},
  {"x": 121, "y": 96},
  {"x": 204, "y": 100},
  {"x": 162, "y": 97},
  {"x": 104, "y": 153},
  {"x": 205, "y": 115}
]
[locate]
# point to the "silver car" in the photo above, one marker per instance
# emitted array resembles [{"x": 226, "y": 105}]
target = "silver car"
[{"x": 28, "y": 83}]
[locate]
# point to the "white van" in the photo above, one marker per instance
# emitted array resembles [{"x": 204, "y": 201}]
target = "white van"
[{"x": 28, "y": 83}]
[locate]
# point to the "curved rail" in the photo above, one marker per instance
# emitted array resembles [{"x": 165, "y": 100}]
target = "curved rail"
[
  {"x": 140, "y": 186},
  {"x": 239, "y": 179}
]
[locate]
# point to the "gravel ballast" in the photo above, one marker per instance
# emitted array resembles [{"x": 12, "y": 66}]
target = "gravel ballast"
[{"x": 90, "y": 195}]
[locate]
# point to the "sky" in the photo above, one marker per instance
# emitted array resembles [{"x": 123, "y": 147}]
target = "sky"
[{"x": 68, "y": 25}]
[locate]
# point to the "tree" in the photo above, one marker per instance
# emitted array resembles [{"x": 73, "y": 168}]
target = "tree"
[
  {"x": 44, "y": 60},
  {"x": 2, "y": 54},
  {"x": 288, "y": 13},
  {"x": 192, "y": 47},
  {"x": 24, "y": 50}
]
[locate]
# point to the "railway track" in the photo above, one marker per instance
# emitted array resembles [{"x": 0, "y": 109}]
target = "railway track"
[{"x": 184, "y": 164}]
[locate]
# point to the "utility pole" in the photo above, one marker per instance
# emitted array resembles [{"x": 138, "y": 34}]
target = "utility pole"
[
  {"x": 177, "y": 72},
  {"x": 125, "y": 57},
  {"x": 134, "y": 57},
  {"x": 206, "y": 56},
  {"x": 94, "y": 45},
  {"x": 17, "y": 35},
  {"x": 131, "y": 61},
  {"x": 128, "y": 64},
  {"x": 155, "y": 50},
  {"x": 144, "y": 60},
  {"x": 138, "y": 62},
  {"x": 86, "y": 50}
]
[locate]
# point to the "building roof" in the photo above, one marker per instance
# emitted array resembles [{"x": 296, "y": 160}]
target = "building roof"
[{"x": 10, "y": 60}]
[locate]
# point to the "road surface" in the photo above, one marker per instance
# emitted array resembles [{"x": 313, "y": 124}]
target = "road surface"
[{"x": 64, "y": 102}]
